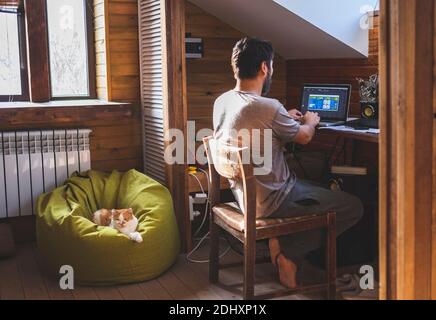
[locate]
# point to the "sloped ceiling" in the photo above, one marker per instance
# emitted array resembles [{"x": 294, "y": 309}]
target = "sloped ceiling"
[{"x": 293, "y": 36}]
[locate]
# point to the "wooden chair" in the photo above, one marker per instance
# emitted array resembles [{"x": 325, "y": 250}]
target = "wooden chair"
[{"x": 243, "y": 225}]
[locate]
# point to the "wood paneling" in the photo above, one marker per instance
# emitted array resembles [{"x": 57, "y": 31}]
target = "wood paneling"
[
  {"x": 117, "y": 72},
  {"x": 116, "y": 131},
  {"x": 386, "y": 244},
  {"x": 116, "y": 45},
  {"x": 406, "y": 142},
  {"x": 433, "y": 274},
  {"x": 122, "y": 46},
  {"x": 434, "y": 165},
  {"x": 175, "y": 107},
  {"x": 101, "y": 51},
  {"x": 212, "y": 75}
]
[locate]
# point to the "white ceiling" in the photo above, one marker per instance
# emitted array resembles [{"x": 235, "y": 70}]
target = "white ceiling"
[{"x": 291, "y": 33}]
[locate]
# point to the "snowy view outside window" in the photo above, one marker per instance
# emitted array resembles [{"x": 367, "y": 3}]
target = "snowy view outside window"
[
  {"x": 68, "y": 47},
  {"x": 10, "y": 77}
]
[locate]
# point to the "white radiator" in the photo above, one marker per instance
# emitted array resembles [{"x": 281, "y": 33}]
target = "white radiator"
[{"x": 35, "y": 162}]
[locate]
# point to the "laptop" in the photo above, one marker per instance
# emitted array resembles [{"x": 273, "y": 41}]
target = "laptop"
[{"x": 330, "y": 101}]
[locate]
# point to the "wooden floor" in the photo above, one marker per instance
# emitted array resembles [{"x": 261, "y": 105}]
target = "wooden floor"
[{"x": 21, "y": 278}]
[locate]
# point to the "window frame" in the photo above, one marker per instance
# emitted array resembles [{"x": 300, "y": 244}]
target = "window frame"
[
  {"x": 24, "y": 96},
  {"x": 27, "y": 87},
  {"x": 92, "y": 85}
]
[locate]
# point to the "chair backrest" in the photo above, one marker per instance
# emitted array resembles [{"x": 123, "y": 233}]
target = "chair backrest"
[{"x": 226, "y": 161}]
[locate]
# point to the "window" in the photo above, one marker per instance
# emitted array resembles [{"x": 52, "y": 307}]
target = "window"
[
  {"x": 68, "y": 48},
  {"x": 13, "y": 79},
  {"x": 64, "y": 68},
  {"x": 10, "y": 75}
]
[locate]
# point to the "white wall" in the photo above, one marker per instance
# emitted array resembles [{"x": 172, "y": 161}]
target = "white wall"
[
  {"x": 343, "y": 19},
  {"x": 293, "y": 36}
]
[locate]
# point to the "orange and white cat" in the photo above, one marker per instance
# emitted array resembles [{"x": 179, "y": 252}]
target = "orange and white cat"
[{"x": 122, "y": 220}]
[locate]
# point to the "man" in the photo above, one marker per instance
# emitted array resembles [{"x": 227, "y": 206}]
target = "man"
[{"x": 279, "y": 192}]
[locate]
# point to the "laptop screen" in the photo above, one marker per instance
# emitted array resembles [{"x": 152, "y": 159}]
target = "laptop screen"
[{"x": 330, "y": 101}]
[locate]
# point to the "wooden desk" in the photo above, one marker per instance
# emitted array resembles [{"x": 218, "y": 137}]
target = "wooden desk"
[
  {"x": 360, "y": 136},
  {"x": 356, "y": 139}
]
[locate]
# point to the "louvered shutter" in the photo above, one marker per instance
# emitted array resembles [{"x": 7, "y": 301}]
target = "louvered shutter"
[{"x": 152, "y": 101}]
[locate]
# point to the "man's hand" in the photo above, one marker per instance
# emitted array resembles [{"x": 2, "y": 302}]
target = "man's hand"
[
  {"x": 307, "y": 130},
  {"x": 295, "y": 114},
  {"x": 311, "y": 119}
]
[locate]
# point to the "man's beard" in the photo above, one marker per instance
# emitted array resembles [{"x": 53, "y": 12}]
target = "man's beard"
[{"x": 267, "y": 84}]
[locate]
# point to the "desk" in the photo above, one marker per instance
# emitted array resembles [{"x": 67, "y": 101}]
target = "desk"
[
  {"x": 356, "y": 137},
  {"x": 365, "y": 232}
]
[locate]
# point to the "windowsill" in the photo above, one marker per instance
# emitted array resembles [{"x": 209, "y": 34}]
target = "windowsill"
[{"x": 59, "y": 104}]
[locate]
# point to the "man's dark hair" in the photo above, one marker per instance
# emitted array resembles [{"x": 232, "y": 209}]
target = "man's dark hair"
[{"x": 248, "y": 56}]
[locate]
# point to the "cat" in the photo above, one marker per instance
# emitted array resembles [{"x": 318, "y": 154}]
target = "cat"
[{"x": 122, "y": 220}]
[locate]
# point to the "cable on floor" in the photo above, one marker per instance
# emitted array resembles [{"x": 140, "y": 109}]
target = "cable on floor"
[{"x": 206, "y": 236}]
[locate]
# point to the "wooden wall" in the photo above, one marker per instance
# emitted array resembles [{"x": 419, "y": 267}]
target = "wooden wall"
[
  {"x": 434, "y": 190},
  {"x": 116, "y": 43},
  {"x": 209, "y": 77},
  {"x": 116, "y": 24},
  {"x": 407, "y": 233},
  {"x": 115, "y": 139},
  {"x": 433, "y": 267}
]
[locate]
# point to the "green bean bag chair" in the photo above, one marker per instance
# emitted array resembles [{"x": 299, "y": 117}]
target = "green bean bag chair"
[{"x": 66, "y": 234}]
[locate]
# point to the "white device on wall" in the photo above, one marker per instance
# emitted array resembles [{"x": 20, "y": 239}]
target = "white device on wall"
[{"x": 194, "y": 47}]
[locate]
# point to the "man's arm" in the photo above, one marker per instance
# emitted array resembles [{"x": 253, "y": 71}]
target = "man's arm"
[
  {"x": 287, "y": 129},
  {"x": 305, "y": 134},
  {"x": 307, "y": 129}
]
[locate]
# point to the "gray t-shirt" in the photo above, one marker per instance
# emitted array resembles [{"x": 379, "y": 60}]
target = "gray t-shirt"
[{"x": 237, "y": 110}]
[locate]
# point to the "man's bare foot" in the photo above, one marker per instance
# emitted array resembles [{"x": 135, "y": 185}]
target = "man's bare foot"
[{"x": 286, "y": 267}]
